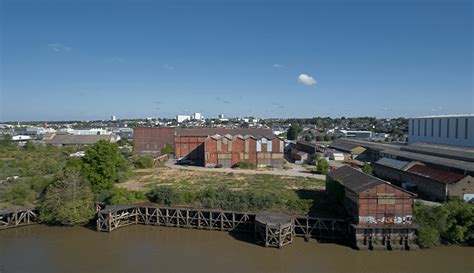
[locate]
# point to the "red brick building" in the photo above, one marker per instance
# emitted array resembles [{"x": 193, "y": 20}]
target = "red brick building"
[
  {"x": 370, "y": 200},
  {"x": 228, "y": 150},
  {"x": 152, "y": 140},
  {"x": 381, "y": 213}
]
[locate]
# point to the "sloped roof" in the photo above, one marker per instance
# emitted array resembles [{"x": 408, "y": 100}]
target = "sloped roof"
[
  {"x": 435, "y": 174},
  {"x": 342, "y": 145},
  {"x": 441, "y": 150},
  {"x": 355, "y": 180},
  {"x": 392, "y": 163}
]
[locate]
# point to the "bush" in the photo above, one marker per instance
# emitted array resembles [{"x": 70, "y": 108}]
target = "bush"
[
  {"x": 244, "y": 165},
  {"x": 168, "y": 149},
  {"x": 164, "y": 196},
  {"x": 366, "y": 168},
  {"x": 219, "y": 166},
  {"x": 144, "y": 162},
  {"x": 123, "y": 196},
  {"x": 323, "y": 166}
]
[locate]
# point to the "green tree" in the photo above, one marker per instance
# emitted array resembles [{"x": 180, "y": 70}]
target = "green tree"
[
  {"x": 323, "y": 166},
  {"x": 68, "y": 201},
  {"x": 308, "y": 138},
  {"x": 366, "y": 168},
  {"x": 459, "y": 223},
  {"x": 103, "y": 166},
  {"x": 294, "y": 131},
  {"x": 320, "y": 138}
]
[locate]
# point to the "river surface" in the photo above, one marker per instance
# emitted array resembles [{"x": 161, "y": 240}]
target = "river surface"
[{"x": 38, "y": 249}]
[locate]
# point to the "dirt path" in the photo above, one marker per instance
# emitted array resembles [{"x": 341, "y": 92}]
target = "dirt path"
[{"x": 298, "y": 171}]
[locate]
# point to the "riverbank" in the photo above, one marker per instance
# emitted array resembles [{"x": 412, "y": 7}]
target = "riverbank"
[{"x": 139, "y": 249}]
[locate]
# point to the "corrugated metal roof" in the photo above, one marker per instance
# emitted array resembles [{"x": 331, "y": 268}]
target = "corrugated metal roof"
[
  {"x": 448, "y": 151},
  {"x": 435, "y": 160},
  {"x": 435, "y": 174},
  {"x": 392, "y": 163},
  {"x": 343, "y": 145}
]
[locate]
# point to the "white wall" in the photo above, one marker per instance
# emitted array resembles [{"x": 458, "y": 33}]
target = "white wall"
[{"x": 428, "y": 130}]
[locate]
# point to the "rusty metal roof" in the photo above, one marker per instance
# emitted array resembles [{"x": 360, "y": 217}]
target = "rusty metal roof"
[{"x": 435, "y": 174}]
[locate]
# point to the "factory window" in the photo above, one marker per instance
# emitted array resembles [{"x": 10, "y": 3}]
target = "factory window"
[
  {"x": 432, "y": 127},
  {"x": 419, "y": 127},
  {"x": 385, "y": 199},
  {"x": 426, "y": 122},
  {"x": 439, "y": 127},
  {"x": 447, "y": 128},
  {"x": 457, "y": 127},
  {"x": 465, "y": 127}
]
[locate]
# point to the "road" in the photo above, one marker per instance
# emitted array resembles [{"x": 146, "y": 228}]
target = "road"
[{"x": 297, "y": 170}]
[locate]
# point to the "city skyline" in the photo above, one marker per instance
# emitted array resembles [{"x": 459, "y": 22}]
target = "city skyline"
[{"x": 287, "y": 59}]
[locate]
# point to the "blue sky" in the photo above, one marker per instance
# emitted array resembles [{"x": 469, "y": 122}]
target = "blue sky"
[{"x": 85, "y": 60}]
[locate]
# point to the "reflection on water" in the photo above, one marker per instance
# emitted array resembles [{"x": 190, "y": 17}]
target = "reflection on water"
[{"x": 137, "y": 249}]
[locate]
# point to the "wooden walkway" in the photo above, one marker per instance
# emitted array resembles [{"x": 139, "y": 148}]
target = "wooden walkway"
[
  {"x": 113, "y": 217},
  {"x": 11, "y": 218}
]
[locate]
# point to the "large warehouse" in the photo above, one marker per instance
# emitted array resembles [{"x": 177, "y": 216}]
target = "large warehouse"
[
  {"x": 447, "y": 129},
  {"x": 214, "y": 146}
]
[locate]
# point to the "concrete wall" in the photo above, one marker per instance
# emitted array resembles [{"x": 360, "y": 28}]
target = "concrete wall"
[{"x": 456, "y": 130}]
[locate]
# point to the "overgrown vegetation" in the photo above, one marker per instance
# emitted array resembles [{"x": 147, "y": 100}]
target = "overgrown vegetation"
[
  {"x": 168, "y": 149},
  {"x": 244, "y": 165},
  {"x": 226, "y": 199},
  {"x": 144, "y": 162},
  {"x": 68, "y": 200},
  {"x": 450, "y": 223},
  {"x": 366, "y": 168}
]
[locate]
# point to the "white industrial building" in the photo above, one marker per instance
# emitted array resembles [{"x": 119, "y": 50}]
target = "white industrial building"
[
  {"x": 444, "y": 129},
  {"x": 357, "y": 134},
  {"x": 198, "y": 116},
  {"x": 182, "y": 118}
]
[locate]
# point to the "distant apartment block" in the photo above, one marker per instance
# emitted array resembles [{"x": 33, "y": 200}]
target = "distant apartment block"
[{"x": 447, "y": 129}]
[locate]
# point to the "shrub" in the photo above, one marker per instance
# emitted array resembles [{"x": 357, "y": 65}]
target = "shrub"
[
  {"x": 168, "y": 149},
  {"x": 366, "y": 168},
  {"x": 144, "y": 162},
  {"x": 123, "y": 196},
  {"x": 164, "y": 196},
  {"x": 219, "y": 166},
  {"x": 244, "y": 165},
  {"x": 323, "y": 166}
]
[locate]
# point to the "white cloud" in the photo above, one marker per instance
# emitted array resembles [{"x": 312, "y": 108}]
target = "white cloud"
[
  {"x": 116, "y": 60},
  {"x": 278, "y": 66},
  {"x": 168, "y": 67},
  {"x": 306, "y": 79},
  {"x": 57, "y": 47}
]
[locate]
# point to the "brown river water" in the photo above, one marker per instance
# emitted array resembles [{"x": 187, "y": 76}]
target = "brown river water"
[{"x": 38, "y": 248}]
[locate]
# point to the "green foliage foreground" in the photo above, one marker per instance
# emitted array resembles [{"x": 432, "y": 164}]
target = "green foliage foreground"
[
  {"x": 450, "y": 223},
  {"x": 68, "y": 200},
  {"x": 225, "y": 199}
]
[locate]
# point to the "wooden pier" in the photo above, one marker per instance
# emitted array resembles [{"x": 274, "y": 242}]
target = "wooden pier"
[
  {"x": 11, "y": 218},
  {"x": 265, "y": 228}
]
